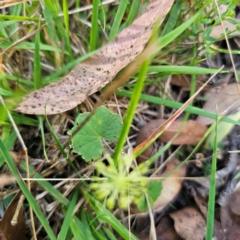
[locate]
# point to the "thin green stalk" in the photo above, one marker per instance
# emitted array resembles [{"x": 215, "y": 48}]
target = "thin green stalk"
[
  {"x": 37, "y": 63},
  {"x": 40, "y": 120},
  {"x": 183, "y": 70},
  {"x": 133, "y": 12},
  {"x": 66, "y": 21},
  {"x": 94, "y": 29},
  {"x": 68, "y": 216},
  {"x": 18, "y": 18},
  {"x": 131, "y": 109},
  {"x": 212, "y": 190},
  {"x": 66, "y": 16},
  {"x": 172, "y": 20}
]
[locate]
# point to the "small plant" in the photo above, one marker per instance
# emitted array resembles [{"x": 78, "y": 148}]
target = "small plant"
[
  {"x": 120, "y": 184},
  {"x": 87, "y": 142}
]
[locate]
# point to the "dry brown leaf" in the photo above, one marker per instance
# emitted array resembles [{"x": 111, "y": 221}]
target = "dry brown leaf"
[
  {"x": 6, "y": 180},
  {"x": 191, "y": 133},
  {"x": 94, "y": 73},
  {"x": 7, "y": 230},
  {"x": 227, "y": 97},
  {"x": 233, "y": 233},
  {"x": 230, "y": 211},
  {"x": 8, "y": 3},
  {"x": 218, "y": 231},
  {"x": 164, "y": 231},
  {"x": 201, "y": 203},
  {"x": 184, "y": 81},
  {"x": 189, "y": 223},
  {"x": 170, "y": 120},
  {"x": 217, "y": 31},
  {"x": 171, "y": 185}
]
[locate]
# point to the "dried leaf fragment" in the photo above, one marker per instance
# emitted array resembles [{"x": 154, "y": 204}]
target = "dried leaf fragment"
[
  {"x": 94, "y": 73},
  {"x": 8, "y": 3},
  {"x": 171, "y": 185},
  {"x": 191, "y": 133},
  {"x": 227, "y": 97},
  {"x": 164, "y": 231},
  {"x": 6, "y": 180},
  {"x": 230, "y": 211},
  {"x": 7, "y": 230},
  {"x": 189, "y": 223}
]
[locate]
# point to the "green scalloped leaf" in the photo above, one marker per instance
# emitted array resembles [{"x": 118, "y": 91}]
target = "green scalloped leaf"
[{"x": 103, "y": 125}]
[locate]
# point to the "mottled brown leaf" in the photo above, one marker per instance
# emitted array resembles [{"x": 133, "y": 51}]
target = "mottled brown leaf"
[
  {"x": 189, "y": 223},
  {"x": 191, "y": 133},
  {"x": 94, "y": 73},
  {"x": 227, "y": 97}
]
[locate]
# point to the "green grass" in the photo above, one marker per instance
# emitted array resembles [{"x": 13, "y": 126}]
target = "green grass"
[
  {"x": 63, "y": 41},
  {"x": 94, "y": 29},
  {"x": 212, "y": 190}
]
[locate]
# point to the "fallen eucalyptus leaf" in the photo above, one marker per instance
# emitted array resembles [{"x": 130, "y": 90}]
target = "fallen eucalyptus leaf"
[{"x": 97, "y": 71}]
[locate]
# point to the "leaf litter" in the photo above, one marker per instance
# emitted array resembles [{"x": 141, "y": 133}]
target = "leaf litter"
[
  {"x": 191, "y": 133},
  {"x": 227, "y": 100},
  {"x": 8, "y": 230},
  {"x": 93, "y": 74}
]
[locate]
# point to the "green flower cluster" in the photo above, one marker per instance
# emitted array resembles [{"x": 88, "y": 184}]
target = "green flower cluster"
[{"x": 121, "y": 185}]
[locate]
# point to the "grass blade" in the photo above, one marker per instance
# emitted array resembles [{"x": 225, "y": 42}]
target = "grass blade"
[
  {"x": 177, "y": 105},
  {"x": 165, "y": 40},
  {"x": 66, "y": 21},
  {"x": 174, "y": 14},
  {"x": 133, "y": 12},
  {"x": 106, "y": 216},
  {"x": 37, "y": 63},
  {"x": 8, "y": 142},
  {"x": 183, "y": 70},
  {"x": 66, "y": 16},
  {"x": 94, "y": 30},
  {"x": 81, "y": 230},
  {"x": 118, "y": 19},
  {"x": 212, "y": 190},
  {"x": 131, "y": 109},
  {"x": 68, "y": 217}
]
